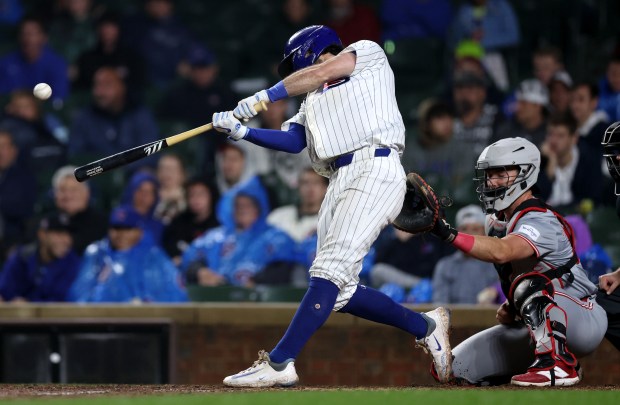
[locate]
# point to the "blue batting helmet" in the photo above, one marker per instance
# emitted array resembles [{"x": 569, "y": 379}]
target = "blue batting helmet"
[{"x": 305, "y": 47}]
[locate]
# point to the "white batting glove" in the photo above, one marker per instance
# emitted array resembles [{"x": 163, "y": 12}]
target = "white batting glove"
[
  {"x": 245, "y": 108},
  {"x": 225, "y": 122}
]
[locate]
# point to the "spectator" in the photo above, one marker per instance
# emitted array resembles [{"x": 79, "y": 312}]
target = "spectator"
[
  {"x": 108, "y": 51},
  {"x": 113, "y": 123},
  {"x": 459, "y": 278},
  {"x": 609, "y": 90},
  {"x": 415, "y": 19},
  {"x": 494, "y": 25},
  {"x": 569, "y": 173},
  {"x": 42, "y": 271},
  {"x": 475, "y": 124},
  {"x": 171, "y": 177},
  {"x": 234, "y": 173},
  {"x": 24, "y": 113},
  {"x": 231, "y": 166},
  {"x": 530, "y": 119},
  {"x": 435, "y": 155},
  {"x": 468, "y": 58},
  {"x": 18, "y": 195},
  {"x": 560, "y": 88},
  {"x": 352, "y": 21},
  {"x": 127, "y": 267},
  {"x": 162, "y": 40},
  {"x": 243, "y": 251},
  {"x": 142, "y": 194},
  {"x": 72, "y": 199},
  {"x": 198, "y": 218},
  {"x": 591, "y": 123},
  {"x": 34, "y": 62},
  {"x": 41, "y": 137},
  {"x": 299, "y": 221},
  {"x": 73, "y": 31},
  {"x": 407, "y": 259},
  {"x": 546, "y": 62},
  {"x": 198, "y": 97}
]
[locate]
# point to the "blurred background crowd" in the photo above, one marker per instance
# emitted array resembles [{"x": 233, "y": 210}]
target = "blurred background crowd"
[{"x": 213, "y": 213}]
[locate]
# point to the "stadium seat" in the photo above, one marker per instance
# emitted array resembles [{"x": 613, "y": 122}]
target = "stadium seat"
[
  {"x": 197, "y": 293},
  {"x": 280, "y": 293}
]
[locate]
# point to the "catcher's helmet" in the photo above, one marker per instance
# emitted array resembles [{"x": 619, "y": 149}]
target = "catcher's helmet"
[
  {"x": 507, "y": 153},
  {"x": 611, "y": 149},
  {"x": 305, "y": 47}
]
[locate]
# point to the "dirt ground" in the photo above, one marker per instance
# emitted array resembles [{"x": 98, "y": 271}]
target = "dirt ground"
[{"x": 60, "y": 390}]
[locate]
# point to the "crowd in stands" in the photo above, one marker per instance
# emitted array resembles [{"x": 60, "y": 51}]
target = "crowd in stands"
[{"x": 213, "y": 212}]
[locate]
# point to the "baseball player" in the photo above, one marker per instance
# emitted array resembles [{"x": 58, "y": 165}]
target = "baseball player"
[
  {"x": 551, "y": 301},
  {"x": 354, "y": 133},
  {"x": 609, "y": 295}
]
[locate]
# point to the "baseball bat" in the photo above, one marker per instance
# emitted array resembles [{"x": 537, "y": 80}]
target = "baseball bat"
[{"x": 139, "y": 152}]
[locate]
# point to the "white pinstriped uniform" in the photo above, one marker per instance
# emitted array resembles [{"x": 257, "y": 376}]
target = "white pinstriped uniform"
[{"x": 360, "y": 114}]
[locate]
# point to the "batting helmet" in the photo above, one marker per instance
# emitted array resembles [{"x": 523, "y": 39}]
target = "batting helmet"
[
  {"x": 611, "y": 149},
  {"x": 305, "y": 47},
  {"x": 503, "y": 154}
]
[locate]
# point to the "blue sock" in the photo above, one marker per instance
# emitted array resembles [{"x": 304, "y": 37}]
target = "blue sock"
[
  {"x": 375, "y": 306},
  {"x": 312, "y": 313}
]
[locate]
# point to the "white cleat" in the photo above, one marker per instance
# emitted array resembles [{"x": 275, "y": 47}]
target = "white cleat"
[
  {"x": 262, "y": 374},
  {"x": 437, "y": 344}
]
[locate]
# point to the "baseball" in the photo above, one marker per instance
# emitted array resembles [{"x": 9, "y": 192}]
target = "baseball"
[{"x": 42, "y": 91}]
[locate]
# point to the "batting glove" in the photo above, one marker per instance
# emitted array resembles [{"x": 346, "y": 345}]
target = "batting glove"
[
  {"x": 245, "y": 108},
  {"x": 225, "y": 122}
]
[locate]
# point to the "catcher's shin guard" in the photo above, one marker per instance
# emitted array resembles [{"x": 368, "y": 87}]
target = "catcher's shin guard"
[{"x": 555, "y": 364}]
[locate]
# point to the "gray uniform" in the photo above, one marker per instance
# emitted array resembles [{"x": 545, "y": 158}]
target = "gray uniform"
[{"x": 505, "y": 350}]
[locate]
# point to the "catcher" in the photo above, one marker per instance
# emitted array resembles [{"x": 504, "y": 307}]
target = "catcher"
[{"x": 551, "y": 303}]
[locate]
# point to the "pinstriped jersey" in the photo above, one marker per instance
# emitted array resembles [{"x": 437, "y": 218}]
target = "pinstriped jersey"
[{"x": 353, "y": 112}]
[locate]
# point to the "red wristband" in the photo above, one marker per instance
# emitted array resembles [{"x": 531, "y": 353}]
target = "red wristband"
[{"x": 464, "y": 242}]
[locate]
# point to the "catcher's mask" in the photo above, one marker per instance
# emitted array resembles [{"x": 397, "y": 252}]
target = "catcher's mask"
[
  {"x": 506, "y": 154},
  {"x": 611, "y": 149}
]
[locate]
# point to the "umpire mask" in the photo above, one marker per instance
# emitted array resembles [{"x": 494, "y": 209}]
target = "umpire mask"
[{"x": 611, "y": 149}]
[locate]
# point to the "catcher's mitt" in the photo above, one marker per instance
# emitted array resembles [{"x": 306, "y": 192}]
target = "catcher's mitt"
[{"x": 421, "y": 208}]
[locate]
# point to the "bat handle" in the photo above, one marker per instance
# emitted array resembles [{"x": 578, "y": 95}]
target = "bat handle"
[{"x": 261, "y": 106}]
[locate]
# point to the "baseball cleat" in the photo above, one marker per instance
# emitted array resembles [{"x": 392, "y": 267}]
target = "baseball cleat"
[
  {"x": 437, "y": 344},
  {"x": 263, "y": 373},
  {"x": 561, "y": 375}
]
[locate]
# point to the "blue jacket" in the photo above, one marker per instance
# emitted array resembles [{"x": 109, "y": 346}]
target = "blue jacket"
[
  {"x": 238, "y": 255},
  {"x": 499, "y": 25},
  {"x": 17, "y": 73},
  {"x": 23, "y": 275},
  {"x": 608, "y": 100},
  {"x": 150, "y": 224},
  {"x": 143, "y": 272}
]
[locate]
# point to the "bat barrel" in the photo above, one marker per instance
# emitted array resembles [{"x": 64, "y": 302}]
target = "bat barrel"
[{"x": 93, "y": 169}]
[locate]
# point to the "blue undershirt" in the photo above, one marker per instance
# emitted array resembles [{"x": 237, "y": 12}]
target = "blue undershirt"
[{"x": 291, "y": 141}]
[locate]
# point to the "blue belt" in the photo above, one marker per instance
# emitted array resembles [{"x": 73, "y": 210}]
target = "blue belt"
[{"x": 346, "y": 159}]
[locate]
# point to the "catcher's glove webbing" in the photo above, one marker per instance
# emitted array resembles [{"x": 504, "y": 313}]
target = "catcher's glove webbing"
[{"x": 421, "y": 208}]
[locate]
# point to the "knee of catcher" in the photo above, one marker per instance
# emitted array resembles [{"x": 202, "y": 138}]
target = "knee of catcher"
[{"x": 531, "y": 289}]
